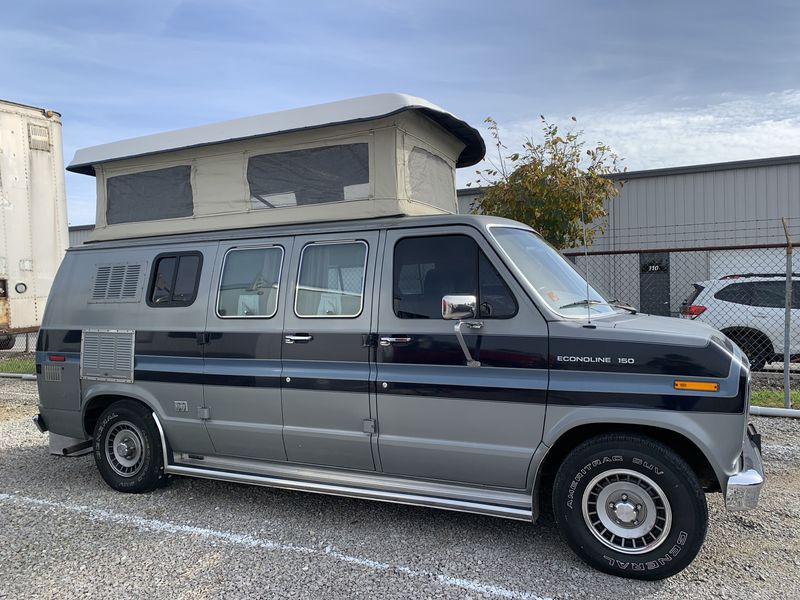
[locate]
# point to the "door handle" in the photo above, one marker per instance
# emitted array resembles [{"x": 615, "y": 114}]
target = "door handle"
[
  {"x": 760, "y": 315},
  {"x": 389, "y": 340},
  {"x": 300, "y": 338}
]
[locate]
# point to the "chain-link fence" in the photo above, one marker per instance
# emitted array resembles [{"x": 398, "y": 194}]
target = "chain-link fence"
[
  {"x": 17, "y": 353},
  {"x": 742, "y": 291}
]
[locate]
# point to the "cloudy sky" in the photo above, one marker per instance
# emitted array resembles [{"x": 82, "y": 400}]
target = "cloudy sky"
[{"x": 666, "y": 84}]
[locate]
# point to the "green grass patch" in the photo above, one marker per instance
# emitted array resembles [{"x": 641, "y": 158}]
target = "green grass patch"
[
  {"x": 25, "y": 364},
  {"x": 773, "y": 398}
]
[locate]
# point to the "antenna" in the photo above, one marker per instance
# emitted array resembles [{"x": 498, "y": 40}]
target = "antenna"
[{"x": 585, "y": 248}]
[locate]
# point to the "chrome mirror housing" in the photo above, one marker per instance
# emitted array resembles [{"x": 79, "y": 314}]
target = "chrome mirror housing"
[{"x": 458, "y": 307}]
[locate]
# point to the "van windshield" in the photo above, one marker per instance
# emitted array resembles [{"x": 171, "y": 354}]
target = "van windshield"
[{"x": 555, "y": 280}]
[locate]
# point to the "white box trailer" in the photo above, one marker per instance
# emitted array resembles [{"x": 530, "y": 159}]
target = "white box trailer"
[{"x": 33, "y": 214}]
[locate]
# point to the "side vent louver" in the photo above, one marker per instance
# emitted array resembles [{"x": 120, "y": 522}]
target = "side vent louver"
[
  {"x": 107, "y": 354},
  {"x": 52, "y": 373},
  {"x": 117, "y": 283},
  {"x": 38, "y": 137}
]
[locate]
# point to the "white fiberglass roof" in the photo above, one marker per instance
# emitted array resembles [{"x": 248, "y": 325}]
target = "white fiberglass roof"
[{"x": 365, "y": 108}]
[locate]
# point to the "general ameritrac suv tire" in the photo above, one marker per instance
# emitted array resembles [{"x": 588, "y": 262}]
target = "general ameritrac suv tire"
[
  {"x": 127, "y": 448},
  {"x": 630, "y": 506}
]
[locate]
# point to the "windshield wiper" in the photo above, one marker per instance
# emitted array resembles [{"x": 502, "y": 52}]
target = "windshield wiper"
[{"x": 587, "y": 302}]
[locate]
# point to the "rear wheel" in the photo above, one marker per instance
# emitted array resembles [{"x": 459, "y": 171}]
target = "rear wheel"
[
  {"x": 755, "y": 345},
  {"x": 127, "y": 448},
  {"x": 630, "y": 506},
  {"x": 7, "y": 342}
]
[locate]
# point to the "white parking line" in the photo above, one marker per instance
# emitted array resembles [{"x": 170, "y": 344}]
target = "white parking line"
[{"x": 243, "y": 539}]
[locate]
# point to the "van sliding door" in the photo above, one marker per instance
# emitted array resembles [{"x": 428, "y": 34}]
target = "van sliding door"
[
  {"x": 243, "y": 348},
  {"x": 326, "y": 351}
]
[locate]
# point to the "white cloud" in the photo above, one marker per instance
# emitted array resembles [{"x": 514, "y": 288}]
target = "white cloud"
[{"x": 734, "y": 128}]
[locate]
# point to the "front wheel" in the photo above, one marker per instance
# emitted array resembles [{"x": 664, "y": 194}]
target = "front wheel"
[
  {"x": 127, "y": 448},
  {"x": 630, "y": 506}
]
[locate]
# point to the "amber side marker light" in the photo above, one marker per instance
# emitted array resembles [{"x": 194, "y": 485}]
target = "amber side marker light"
[{"x": 697, "y": 386}]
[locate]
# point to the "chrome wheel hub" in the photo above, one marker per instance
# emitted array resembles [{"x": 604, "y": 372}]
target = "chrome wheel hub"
[
  {"x": 627, "y": 511},
  {"x": 124, "y": 449}
]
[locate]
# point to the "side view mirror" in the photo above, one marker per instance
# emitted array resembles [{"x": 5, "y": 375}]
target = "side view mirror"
[{"x": 458, "y": 307}]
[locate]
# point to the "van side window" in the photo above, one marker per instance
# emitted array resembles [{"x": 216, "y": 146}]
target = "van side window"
[
  {"x": 427, "y": 268},
  {"x": 249, "y": 284},
  {"x": 175, "y": 279},
  {"x": 330, "y": 282}
]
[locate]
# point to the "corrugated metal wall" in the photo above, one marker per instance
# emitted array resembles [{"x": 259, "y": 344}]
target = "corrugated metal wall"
[
  {"x": 721, "y": 207},
  {"x": 78, "y": 235},
  {"x": 734, "y": 204}
]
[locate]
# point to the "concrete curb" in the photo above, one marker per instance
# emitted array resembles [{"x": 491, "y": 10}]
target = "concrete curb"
[{"x": 22, "y": 376}]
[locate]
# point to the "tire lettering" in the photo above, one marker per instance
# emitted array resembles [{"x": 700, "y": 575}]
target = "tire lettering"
[
  {"x": 651, "y": 564},
  {"x": 586, "y": 468},
  {"x": 646, "y": 465}
]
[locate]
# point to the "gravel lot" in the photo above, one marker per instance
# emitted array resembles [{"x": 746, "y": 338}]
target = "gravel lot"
[{"x": 63, "y": 533}]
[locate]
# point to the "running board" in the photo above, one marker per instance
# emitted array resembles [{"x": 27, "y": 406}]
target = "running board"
[
  {"x": 522, "y": 511},
  {"x": 353, "y": 492}
]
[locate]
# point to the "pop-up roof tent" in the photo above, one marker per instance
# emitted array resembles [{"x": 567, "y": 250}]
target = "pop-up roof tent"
[{"x": 388, "y": 154}]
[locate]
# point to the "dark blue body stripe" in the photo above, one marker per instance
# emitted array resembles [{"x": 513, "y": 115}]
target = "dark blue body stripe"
[
  {"x": 684, "y": 403},
  {"x": 253, "y": 381},
  {"x": 248, "y": 360},
  {"x": 466, "y": 392}
]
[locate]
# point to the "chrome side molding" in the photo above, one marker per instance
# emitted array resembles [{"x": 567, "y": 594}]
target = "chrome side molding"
[
  {"x": 354, "y": 492},
  {"x": 163, "y": 441}
]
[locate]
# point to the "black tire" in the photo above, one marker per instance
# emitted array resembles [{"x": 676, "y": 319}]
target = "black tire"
[
  {"x": 755, "y": 345},
  {"x": 641, "y": 479},
  {"x": 127, "y": 448},
  {"x": 7, "y": 342}
]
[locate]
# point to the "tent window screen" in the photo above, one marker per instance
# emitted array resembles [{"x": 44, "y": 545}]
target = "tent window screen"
[
  {"x": 249, "y": 285},
  {"x": 331, "y": 280},
  {"x": 150, "y": 195},
  {"x": 312, "y": 176},
  {"x": 432, "y": 180}
]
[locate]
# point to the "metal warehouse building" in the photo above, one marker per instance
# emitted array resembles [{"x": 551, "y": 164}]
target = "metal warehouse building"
[{"x": 669, "y": 228}]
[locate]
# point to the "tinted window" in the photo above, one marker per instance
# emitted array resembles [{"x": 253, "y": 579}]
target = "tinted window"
[
  {"x": 175, "y": 278},
  {"x": 427, "y": 268},
  {"x": 693, "y": 295},
  {"x": 163, "y": 282},
  {"x": 312, "y": 176},
  {"x": 770, "y": 294},
  {"x": 186, "y": 278},
  {"x": 151, "y": 195},
  {"x": 738, "y": 293},
  {"x": 249, "y": 283},
  {"x": 796, "y": 294},
  {"x": 331, "y": 280}
]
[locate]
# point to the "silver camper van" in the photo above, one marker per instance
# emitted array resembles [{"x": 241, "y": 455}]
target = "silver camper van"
[{"x": 291, "y": 300}]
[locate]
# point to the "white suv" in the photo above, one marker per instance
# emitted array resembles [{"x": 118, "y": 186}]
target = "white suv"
[{"x": 750, "y": 310}]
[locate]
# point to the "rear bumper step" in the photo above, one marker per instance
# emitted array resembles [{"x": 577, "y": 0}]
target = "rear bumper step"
[{"x": 38, "y": 420}]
